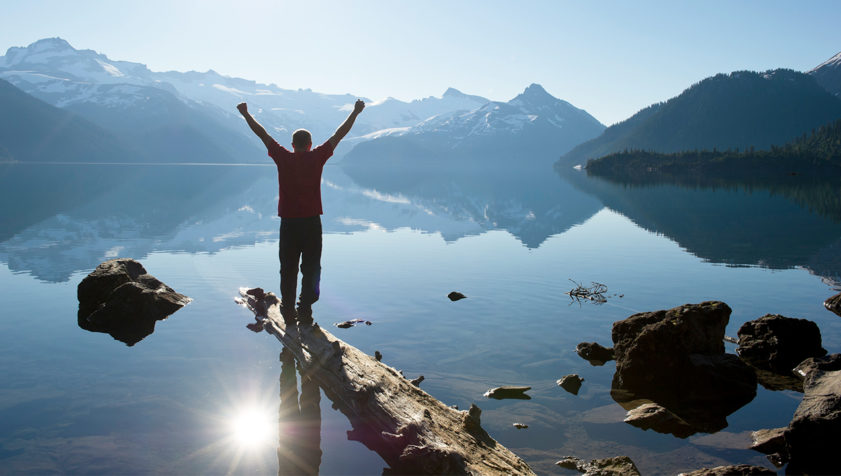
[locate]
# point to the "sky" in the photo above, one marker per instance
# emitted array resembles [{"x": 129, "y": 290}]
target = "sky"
[{"x": 611, "y": 58}]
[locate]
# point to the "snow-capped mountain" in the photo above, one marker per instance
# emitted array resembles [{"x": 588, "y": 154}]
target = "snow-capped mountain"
[
  {"x": 828, "y": 75},
  {"x": 129, "y": 99},
  {"x": 534, "y": 127}
]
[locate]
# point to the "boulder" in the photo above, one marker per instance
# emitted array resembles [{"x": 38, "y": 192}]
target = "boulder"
[
  {"x": 676, "y": 358},
  {"x": 732, "y": 470},
  {"x": 120, "y": 298},
  {"x": 594, "y": 352},
  {"x": 812, "y": 435},
  {"x": 834, "y": 304},
  {"x": 777, "y": 343},
  {"x": 616, "y": 466},
  {"x": 571, "y": 383}
]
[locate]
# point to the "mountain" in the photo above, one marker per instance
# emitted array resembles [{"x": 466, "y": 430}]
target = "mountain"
[
  {"x": 817, "y": 155},
  {"x": 124, "y": 99},
  {"x": 190, "y": 116},
  {"x": 393, "y": 113},
  {"x": 828, "y": 75},
  {"x": 32, "y": 130},
  {"x": 743, "y": 109},
  {"x": 533, "y": 128}
]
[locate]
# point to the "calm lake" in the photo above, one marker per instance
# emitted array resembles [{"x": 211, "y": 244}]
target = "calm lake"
[{"x": 396, "y": 243}]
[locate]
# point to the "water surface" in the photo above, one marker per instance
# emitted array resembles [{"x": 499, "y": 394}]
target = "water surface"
[{"x": 394, "y": 246}]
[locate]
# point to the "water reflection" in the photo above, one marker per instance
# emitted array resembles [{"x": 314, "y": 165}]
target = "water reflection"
[
  {"x": 299, "y": 422},
  {"x": 733, "y": 224},
  {"x": 77, "y": 216}
]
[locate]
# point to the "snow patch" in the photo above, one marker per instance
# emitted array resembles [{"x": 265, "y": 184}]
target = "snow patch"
[
  {"x": 110, "y": 69},
  {"x": 226, "y": 89},
  {"x": 393, "y": 131}
]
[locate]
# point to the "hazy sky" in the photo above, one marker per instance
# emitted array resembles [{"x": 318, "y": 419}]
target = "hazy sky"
[{"x": 611, "y": 58}]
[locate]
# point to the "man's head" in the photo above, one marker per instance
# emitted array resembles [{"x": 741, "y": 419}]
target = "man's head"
[{"x": 301, "y": 140}]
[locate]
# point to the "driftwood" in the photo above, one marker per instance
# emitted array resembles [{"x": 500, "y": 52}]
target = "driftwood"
[
  {"x": 595, "y": 293},
  {"x": 411, "y": 430}
]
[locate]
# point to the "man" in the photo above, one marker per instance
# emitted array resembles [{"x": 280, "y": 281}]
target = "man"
[{"x": 299, "y": 209}]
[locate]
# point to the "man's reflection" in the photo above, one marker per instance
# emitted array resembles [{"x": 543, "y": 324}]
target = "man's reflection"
[{"x": 299, "y": 422}]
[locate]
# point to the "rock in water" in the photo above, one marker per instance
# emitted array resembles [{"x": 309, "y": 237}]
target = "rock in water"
[
  {"x": 594, "y": 352},
  {"x": 616, "y": 466},
  {"x": 733, "y": 470},
  {"x": 120, "y": 298},
  {"x": 455, "y": 296},
  {"x": 778, "y": 344},
  {"x": 769, "y": 441},
  {"x": 508, "y": 391},
  {"x": 653, "y": 416},
  {"x": 571, "y": 383},
  {"x": 812, "y": 435},
  {"x": 834, "y": 304},
  {"x": 676, "y": 358}
]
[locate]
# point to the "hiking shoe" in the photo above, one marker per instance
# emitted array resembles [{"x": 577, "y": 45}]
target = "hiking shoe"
[
  {"x": 289, "y": 314},
  {"x": 305, "y": 315}
]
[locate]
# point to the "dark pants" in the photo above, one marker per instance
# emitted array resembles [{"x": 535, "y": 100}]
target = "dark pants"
[{"x": 300, "y": 242}]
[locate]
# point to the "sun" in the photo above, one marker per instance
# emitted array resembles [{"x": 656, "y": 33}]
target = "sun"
[{"x": 253, "y": 428}]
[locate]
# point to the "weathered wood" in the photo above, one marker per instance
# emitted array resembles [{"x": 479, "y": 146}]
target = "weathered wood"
[{"x": 411, "y": 430}]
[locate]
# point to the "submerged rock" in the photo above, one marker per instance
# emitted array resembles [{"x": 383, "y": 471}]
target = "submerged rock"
[
  {"x": 676, "y": 358},
  {"x": 508, "y": 391},
  {"x": 594, "y": 352},
  {"x": 616, "y": 466},
  {"x": 732, "y": 470},
  {"x": 777, "y": 343},
  {"x": 653, "y": 416},
  {"x": 812, "y": 436},
  {"x": 571, "y": 383},
  {"x": 120, "y": 298},
  {"x": 834, "y": 304}
]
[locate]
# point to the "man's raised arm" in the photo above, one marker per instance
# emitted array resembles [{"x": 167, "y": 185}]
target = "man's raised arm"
[
  {"x": 254, "y": 125},
  {"x": 342, "y": 131}
]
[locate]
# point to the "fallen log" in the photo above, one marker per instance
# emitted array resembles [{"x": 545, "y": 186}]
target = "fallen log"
[{"x": 411, "y": 430}]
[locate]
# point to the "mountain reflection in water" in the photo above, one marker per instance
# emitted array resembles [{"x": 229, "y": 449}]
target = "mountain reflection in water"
[
  {"x": 78, "y": 215},
  {"x": 734, "y": 224}
]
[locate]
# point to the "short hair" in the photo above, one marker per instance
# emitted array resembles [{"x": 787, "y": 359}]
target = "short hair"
[{"x": 301, "y": 138}]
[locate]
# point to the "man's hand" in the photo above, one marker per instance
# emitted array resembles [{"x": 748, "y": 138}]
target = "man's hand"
[
  {"x": 342, "y": 131},
  {"x": 255, "y": 126}
]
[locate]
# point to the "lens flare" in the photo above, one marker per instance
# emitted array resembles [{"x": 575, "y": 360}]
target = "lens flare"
[{"x": 253, "y": 428}]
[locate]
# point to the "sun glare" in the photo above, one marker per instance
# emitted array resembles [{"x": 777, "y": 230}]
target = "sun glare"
[{"x": 253, "y": 428}]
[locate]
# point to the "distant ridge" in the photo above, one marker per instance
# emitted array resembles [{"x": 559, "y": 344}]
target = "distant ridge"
[
  {"x": 828, "y": 74},
  {"x": 32, "y": 130},
  {"x": 527, "y": 131},
  {"x": 738, "y": 110},
  {"x": 190, "y": 116}
]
